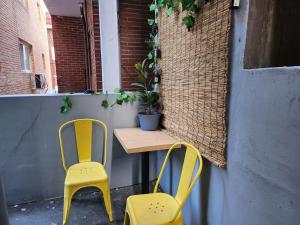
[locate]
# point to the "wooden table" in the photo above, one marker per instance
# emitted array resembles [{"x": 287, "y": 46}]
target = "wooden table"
[{"x": 135, "y": 140}]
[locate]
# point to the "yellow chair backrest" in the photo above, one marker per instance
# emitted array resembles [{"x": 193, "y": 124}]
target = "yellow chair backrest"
[
  {"x": 187, "y": 182},
  {"x": 83, "y": 133}
]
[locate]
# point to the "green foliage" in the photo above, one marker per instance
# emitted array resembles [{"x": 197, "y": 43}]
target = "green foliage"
[
  {"x": 151, "y": 44},
  {"x": 152, "y": 7},
  {"x": 188, "y": 21},
  {"x": 151, "y": 22},
  {"x": 123, "y": 97},
  {"x": 189, "y": 5},
  {"x": 186, "y": 5},
  {"x": 147, "y": 95},
  {"x": 169, "y": 10},
  {"x": 67, "y": 105},
  {"x": 150, "y": 55},
  {"x": 105, "y": 104}
]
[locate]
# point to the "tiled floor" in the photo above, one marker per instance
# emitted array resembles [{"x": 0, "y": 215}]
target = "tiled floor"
[{"x": 87, "y": 209}]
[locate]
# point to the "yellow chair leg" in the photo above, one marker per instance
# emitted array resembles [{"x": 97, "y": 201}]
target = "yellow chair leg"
[
  {"x": 106, "y": 196},
  {"x": 67, "y": 204},
  {"x": 126, "y": 219}
]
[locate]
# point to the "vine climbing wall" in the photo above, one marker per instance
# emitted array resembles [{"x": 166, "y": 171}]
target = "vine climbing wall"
[{"x": 194, "y": 77}]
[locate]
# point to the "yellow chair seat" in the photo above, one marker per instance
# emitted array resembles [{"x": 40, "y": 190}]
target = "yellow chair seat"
[
  {"x": 152, "y": 209},
  {"x": 86, "y": 173}
]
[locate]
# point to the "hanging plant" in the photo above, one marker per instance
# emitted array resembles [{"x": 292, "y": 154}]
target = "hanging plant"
[
  {"x": 68, "y": 104},
  {"x": 122, "y": 97},
  {"x": 186, "y": 5},
  {"x": 105, "y": 103}
]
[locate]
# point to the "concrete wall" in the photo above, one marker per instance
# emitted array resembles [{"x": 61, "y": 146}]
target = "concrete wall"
[
  {"x": 272, "y": 37},
  {"x": 30, "y": 157},
  {"x": 261, "y": 182}
]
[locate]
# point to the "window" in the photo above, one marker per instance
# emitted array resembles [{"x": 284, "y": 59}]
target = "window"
[
  {"x": 44, "y": 61},
  {"x": 273, "y": 35},
  {"x": 40, "y": 81},
  {"x": 25, "y": 57}
]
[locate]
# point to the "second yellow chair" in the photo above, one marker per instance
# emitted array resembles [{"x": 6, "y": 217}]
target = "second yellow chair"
[
  {"x": 85, "y": 173},
  {"x": 161, "y": 208}
]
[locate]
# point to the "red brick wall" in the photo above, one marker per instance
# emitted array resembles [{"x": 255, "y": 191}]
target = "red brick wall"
[
  {"x": 134, "y": 30},
  {"x": 12, "y": 81},
  {"x": 69, "y": 53},
  {"x": 94, "y": 31},
  {"x": 18, "y": 22}
]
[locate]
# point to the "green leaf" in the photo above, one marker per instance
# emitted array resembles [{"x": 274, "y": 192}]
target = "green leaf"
[
  {"x": 151, "y": 22},
  {"x": 119, "y": 100},
  {"x": 151, "y": 65},
  {"x": 152, "y": 7},
  {"x": 69, "y": 103},
  {"x": 188, "y": 21},
  {"x": 64, "y": 109},
  {"x": 124, "y": 96},
  {"x": 161, "y": 3},
  {"x": 132, "y": 98},
  {"x": 117, "y": 90},
  {"x": 169, "y": 11},
  {"x": 141, "y": 79},
  {"x": 138, "y": 67},
  {"x": 150, "y": 55},
  {"x": 105, "y": 104},
  {"x": 194, "y": 8},
  {"x": 186, "y": 4}
]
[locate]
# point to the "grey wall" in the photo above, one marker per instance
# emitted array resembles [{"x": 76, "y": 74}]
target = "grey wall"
[
  {"x": 272, "y": 36},
  {"x": 261, "y": 184},
  {"x": 29, "y": 148}
]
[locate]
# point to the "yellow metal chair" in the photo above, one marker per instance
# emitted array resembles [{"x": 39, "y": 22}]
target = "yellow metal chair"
[
  {"x": 160, "y": 208},
  {"x": 85, "y": 173}
]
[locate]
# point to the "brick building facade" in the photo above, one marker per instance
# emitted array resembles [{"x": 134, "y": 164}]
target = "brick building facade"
[
  {"x": 26, "y": 23},
  {"x": 69, "y": 53},
  {"x": 69, "y": 43},
  {"x": 22, "y": 22},
  {"x": 133, "y": 31}
]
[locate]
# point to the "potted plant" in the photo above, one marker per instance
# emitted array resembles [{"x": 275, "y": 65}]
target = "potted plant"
[{"x": 150, "y": 117}]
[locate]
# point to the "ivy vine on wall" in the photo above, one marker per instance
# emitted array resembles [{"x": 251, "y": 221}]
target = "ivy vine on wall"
[
  {"x": 67, "y": 106},
  {"x": 189, "y": 6}
]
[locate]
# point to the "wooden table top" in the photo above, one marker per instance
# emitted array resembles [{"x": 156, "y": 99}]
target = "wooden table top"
[{"x": 136, "y": 140}]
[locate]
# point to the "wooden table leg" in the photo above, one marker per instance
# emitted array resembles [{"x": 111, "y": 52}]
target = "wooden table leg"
[{"x": 145, "y": 172}]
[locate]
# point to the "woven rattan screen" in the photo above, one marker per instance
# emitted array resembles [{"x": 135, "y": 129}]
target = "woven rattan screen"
[{"x": 194, "y": 77}]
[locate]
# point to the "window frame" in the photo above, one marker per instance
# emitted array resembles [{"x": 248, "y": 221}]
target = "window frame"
[{"x": 26, "y": 59}]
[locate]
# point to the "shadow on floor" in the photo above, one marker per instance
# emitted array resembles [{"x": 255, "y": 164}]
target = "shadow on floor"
[{"x": 87, "y": 209}]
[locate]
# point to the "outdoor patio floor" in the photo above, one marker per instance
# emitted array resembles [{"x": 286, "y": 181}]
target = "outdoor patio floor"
[{"x": 87, "y": 209}]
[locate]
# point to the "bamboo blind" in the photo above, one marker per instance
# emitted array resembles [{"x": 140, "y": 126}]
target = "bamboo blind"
[{"x": 194, "y": 77}]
